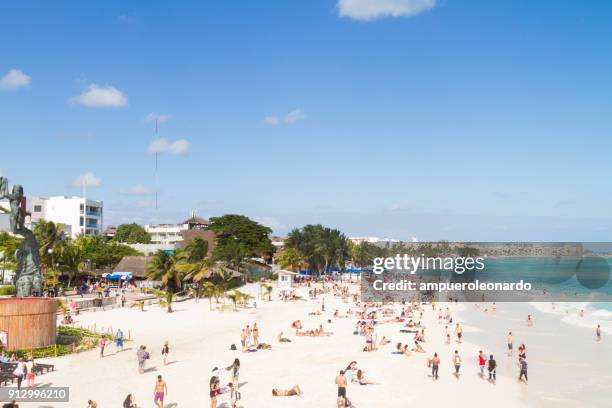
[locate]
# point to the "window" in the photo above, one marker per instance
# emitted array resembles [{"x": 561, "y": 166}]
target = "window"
[{"x": 38, "y": 208}]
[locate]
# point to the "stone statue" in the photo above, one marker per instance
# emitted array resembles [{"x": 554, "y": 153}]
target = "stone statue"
[{"x": 28, "y": 278}]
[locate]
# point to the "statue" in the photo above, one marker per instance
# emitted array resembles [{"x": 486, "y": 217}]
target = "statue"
[{"x": 28, "y": 278}]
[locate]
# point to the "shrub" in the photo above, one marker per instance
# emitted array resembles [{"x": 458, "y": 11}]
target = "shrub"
[{"x": 7, "y": 290}]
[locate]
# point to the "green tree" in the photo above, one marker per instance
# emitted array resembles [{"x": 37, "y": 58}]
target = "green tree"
[
  {"x": 102, "y": 253},
  {"x": 132, "y": 234},
  {"x": 8, "y": 245},
  {"x": 48, "y": 235},
  {"x": 212, "y": 291},
  {"x": 70, "y": 260},
  {"x": 235, "y": 297},
  {"x": 290, "y": 259},
  {"x": 162, "y": 267},
  {"x": 267, "y": 290},
  {"x": 238, "y": 238},
  {"x": 323, "y": 248},
  {"x": 195, "y": 264}
]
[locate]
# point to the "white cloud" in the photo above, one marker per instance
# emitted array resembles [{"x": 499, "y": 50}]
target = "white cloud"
[
  {"x": 270, "y": 222},
  {"x": 152, "y": 117},
  {"x": 102, "y": 96},
  {"x": 161, "y": 145},
  {"x": 87, "y": 179},
  {"x": 292, "y": 117},
  {"x": 138, "y": 191},
  {"x": 15, "y": 79},
  {"x": 373, "y": 9},
  {"x": 272, "y": 120}
]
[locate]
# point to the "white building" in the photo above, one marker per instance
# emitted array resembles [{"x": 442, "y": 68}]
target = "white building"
[
  {"x": 80, "y": 216},
  {"x": 173, "y": 233},
  {"x": 165, "y": 233}
]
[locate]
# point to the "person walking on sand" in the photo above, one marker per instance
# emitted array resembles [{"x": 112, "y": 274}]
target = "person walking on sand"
[
  {"x": 529, "y": 321},
  {"x": 341, "y": 383},
  {"x": 435, "y": 366},
  {"x": 160, "y": 390},
  {"x": 510, "y": 346},
  {"x": 164, "y": 352},
  {"x": 119, "y": 340},
  {"x": 481, "y": 363},
  {"x": 141, "y": 355},
  {"x": 102, "y": 344},
  {"x": 30, "y": 372},
  {"x": 492, "y": 369},
  {"x": 457, "y": 362},
  {"x": 243, "y": 339},
  {"x": 459, "y": 332},
  {"x": 214, "y": 391},
  {"x": 598, "y": 332},
  {"x": 235, "y": 369},
  {"x": 523, "y": 364}
]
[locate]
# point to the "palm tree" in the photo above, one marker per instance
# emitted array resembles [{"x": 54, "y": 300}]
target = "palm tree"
[
  {"x": 268, "y": 290},
  {"x": 245, "y": 297},
  {"x": 165, "y": 298},
  {"x": 194, "y": 263},
  {"x": 212, "y": 291},
  {"x": 162, "y": 267},
  {"x": 139, "y": 304},
  {"x": 235, "y": 297},
  {"x": 48, "y": 234},
  {"x": 290, "y": 259},
  {"x": 69, "y": 258}
]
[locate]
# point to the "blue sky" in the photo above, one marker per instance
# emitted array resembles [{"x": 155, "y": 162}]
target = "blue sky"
[{"x": 437, "y": 119}]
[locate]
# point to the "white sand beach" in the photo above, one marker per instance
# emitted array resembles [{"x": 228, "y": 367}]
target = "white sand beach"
[{"x": 566, "y": 366}]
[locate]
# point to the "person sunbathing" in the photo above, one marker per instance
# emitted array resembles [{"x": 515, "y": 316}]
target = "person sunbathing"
[
  {"x": 384, "y": 341},
  {"x": 361, "y": 378},
  {"x": 312, "y": 333},
  {"x": 418, "y": 348},
  {"x": 282, "y": 339},
  {"x": 295, "y": 390}
]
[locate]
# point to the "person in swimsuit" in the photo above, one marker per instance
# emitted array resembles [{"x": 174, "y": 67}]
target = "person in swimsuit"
[
  {"x": 255, "y": 334},
  {"x": 492, "y": 368},
  {"x": 523, "y": 373},
  {"x": 510, "y": 347},
  {"x": 598, "y": 332},
  {"x": 159, "y": 391},
  {"x": 435, "y": 365},
  {"x": 341, "y": 383},
  {"x": 235, "y": 368},
  {"x": 234, "y": 395},
  {"x": 457, "y": 361},
  {"x": 362, "y": 380},
  {"x": 129, "y": 402},
  {"x": 165, "y": 351},
  {"x": 459, "y": 332},
  {"x": 295, "y": 390},
  {"x": 214, "y": 391}
]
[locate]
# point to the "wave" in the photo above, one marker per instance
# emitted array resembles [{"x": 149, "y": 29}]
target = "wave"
[{"x": 586, "y": 314}]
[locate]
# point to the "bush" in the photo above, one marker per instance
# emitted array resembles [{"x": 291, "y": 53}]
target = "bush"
[
  {"x": 7, "y": 290},
  {"x": 44, "y": 352}
]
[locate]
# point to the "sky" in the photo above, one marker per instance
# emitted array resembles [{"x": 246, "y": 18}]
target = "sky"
[{"x": 435, "y": 119}]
